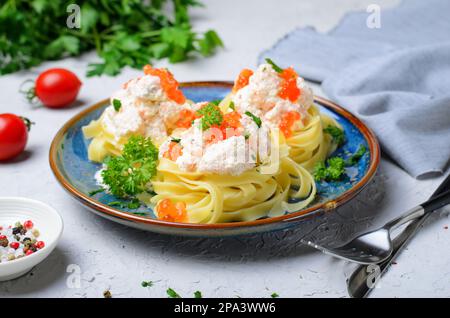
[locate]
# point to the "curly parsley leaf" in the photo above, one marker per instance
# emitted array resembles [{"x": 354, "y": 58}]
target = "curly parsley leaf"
[
  {"x": 336, "y": 133},
  {"x": 333, "y": 170},
  {"x": 128, "y": 174},
  {"x": 198, "y": 294},
  {"x": 117, "y": 104},
  {"x": 211, "y": 116}
]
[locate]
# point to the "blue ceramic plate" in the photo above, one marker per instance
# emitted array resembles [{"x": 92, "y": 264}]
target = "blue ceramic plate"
[{"x": 70, "y": 164}]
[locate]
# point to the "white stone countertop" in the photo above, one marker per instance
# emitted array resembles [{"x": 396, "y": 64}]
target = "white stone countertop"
[{"x": 112, "y": 256}]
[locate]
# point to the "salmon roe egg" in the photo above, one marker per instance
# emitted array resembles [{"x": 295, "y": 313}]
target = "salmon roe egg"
[
  {"x": 287, "y": 121},
  {"x": 231, "y": 124},
  {"x": 171, "y": 212},
  {"x": 288, "y": 88},
  {"x": 168, "y": 83},
  {"x": 214, "y": 134},
  {"x": 186, "y": 116},
  {"x": 175, "y": 150},
  {"x": 242, "y": 80}
]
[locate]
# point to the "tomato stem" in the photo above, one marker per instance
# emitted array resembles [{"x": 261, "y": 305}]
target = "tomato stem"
[
  {"x": 27, "y": 122},
  {"x": 30, "y": 93}
]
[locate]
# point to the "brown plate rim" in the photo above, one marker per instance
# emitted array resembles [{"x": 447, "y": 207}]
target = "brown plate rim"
[{"x": 329, "y": 205}]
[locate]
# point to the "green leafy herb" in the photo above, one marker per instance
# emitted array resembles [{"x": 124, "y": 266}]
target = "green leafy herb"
[
  {"x": 147, "y": 283},
  {"x": 211, "y": 115},
  {"x": 172, "y": 294},
  {"x": 275, "y": 67},
  {"x": 232, "y": 106},
  {"x": 123, "y": 33},
  {"x": 128, "y": 174},
  {"x": 132, "y": 205},
  {"x": 274, "y": 295},
  {"x": 354, "y": 159},
  {"x": 337, "y": 134},
  {"x": 117, "y": 104},
  {"x": 177, "y": 140},
  {"x": 256, "y": 119},
  {"x": 198, "y": 294},
  {"x": 94, "y": 192},
  {"x": 332, "y": 171},
  {"x": 216, "y": 102}
]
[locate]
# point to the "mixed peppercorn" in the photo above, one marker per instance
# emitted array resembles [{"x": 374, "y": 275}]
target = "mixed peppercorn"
[{"x": 18, "y": 241}]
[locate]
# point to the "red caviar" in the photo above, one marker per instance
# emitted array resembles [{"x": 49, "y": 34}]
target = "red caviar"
[
  {"x": 175, "y": 150},
  {"x": 214, "y": 134},
  {"x": 287, "y": 121},
  {"x": 186, "y": 116},
  {"x": 289, "y": 89},
  {"x": 242, "y": 80},
  {"x": 168, "y": 83},
  {"x": 171, "y": 212},
  {"x": 231, "y": 124}
]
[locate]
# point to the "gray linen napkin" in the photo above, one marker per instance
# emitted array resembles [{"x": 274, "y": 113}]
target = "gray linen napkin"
[{"x": 395, "y": 78}]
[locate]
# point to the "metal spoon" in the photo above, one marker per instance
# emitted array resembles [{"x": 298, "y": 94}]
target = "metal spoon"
[{"x": 376, "y": 246}]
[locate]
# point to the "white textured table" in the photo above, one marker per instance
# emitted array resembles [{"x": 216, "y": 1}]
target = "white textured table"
[{"x": 111, "y": 256}]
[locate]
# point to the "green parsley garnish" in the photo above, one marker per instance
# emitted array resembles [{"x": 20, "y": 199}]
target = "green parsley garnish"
[
  {"x": 147, "y": 283},
  {"x": 172, "y": 294},
  {"x": 356, "y": 156},
  {"x": 211, "y": 115},
  {"x": 177, "y": 140},
  {"x": 94, "y": 192},
  {"x": 232, "y": 106},
  {"x": 198, "y": 294},
  {"x": 337, "y": 134},
  {"x": 216, "y": 102},
  {"x": 332, "y": 171},
  {"x": 132, "y": 205},
  {"x": 123, "y": 33},
  {"x": 128, "y": 174},
  {"x": 275, "y": 67},
  {"x": 117, "y": 104},
  {"x": 274, "y": 295},
  {"x": 256, "y": 119}
]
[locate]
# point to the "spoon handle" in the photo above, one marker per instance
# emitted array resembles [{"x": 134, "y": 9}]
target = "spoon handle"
[
  {"x": 433, "y": 204},
  {"x": 365, "y": 277}
]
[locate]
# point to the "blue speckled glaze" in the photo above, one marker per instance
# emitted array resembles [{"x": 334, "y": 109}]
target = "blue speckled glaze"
[{"x": 73, "y": 163}]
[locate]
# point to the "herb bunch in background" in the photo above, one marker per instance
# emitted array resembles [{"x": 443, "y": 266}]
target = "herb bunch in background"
[{"x": 123, "y": 33}]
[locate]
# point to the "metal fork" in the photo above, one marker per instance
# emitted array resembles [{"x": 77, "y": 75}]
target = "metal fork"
[
  {"x": 376, "y": 246},
  {"x": 365, "y": 277}
]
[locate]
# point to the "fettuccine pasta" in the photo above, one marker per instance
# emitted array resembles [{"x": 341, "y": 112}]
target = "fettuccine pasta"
[{"x": 248, "y": 157}]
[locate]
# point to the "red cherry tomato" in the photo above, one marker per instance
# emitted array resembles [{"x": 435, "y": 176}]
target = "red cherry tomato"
[
  {"x": 57, "y": 87},
  {"x": 13, "y": 135}
]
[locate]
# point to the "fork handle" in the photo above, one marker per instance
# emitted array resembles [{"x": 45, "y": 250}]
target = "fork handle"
[
  {"x": 357, "y": 284},
  {"x": 429, "y": 206}
]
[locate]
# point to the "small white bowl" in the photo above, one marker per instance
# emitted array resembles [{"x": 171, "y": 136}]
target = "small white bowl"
[{"x": 45, "y": 219}]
